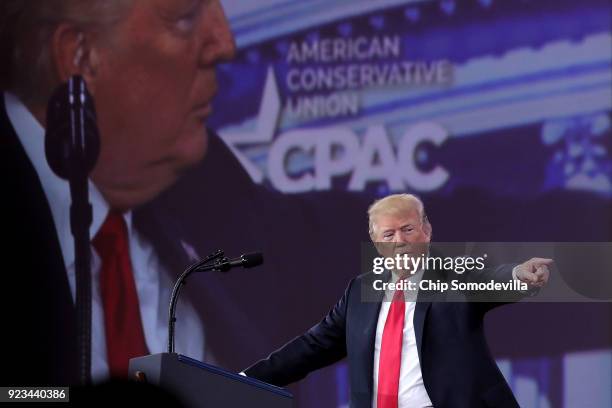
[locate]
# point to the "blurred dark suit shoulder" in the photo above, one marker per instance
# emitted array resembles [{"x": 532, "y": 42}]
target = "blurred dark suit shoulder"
[{"x": 39, "y": 338}]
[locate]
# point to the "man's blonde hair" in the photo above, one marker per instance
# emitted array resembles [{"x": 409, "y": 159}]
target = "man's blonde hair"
[{"x": 395, "y": 204}]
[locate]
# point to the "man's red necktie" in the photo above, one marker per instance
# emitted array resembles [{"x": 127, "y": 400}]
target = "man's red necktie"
[
  {"x": 124, "y": 334},
  {"x": 391, "y": 354}
]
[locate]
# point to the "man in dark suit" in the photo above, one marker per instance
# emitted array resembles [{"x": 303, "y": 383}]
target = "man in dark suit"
[
  {"x": 150, "y": 67},
  {"x": 405, "y": 353},
  {"x": 41, "y": 347}
]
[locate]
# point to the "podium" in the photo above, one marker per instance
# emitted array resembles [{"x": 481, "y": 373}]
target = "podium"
[{"x": 199, "y": 384}]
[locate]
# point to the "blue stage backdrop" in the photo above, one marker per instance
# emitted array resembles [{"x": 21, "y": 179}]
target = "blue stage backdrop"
[{"x": 495, "y": 112}]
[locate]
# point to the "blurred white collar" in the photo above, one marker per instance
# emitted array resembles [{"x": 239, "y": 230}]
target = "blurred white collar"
[{"x": 57, "y": 190}]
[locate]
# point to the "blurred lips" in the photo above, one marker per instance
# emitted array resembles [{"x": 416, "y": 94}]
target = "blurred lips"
[
  {"x": 203, "y": 107},
  {"x": 203, "y": 111}
]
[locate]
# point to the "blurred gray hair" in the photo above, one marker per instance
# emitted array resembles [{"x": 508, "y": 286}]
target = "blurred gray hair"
[{"x": 26, "y": 29}]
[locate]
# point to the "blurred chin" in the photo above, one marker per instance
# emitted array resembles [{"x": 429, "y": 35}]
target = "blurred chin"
[
  {"x": 126, "y": 186},
  {"x": 191, "y": 149}
]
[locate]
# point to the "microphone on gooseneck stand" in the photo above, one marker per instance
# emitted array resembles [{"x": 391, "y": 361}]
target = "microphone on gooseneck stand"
[
  {"x": 72, "y": 146},
  {"x": 224, "y": 264},
  {"x": 214, "y": 262}
]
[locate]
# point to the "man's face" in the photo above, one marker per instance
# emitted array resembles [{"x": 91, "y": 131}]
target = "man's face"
[
  {"x": 153, "y": 82},
  {"x": 402, "y": 233}
]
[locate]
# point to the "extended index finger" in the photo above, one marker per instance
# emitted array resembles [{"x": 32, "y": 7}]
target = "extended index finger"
[{"x": 542, "y": 261}]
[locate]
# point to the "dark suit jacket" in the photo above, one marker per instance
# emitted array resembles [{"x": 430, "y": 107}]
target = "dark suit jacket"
[
  {"x": 458, "y": 370},
  {"x": 215, "y": 205},
  {"x": 39, "y": 336}
]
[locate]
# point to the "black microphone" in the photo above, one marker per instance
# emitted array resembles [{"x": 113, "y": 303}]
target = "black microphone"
[
  {"x": 72, "y": 141},
  {"x": 72, "y": 146},
  {"x": 244, "y": 260},
  {"x": 248, "y": 260},
  {"x": 214, "y": 262}
]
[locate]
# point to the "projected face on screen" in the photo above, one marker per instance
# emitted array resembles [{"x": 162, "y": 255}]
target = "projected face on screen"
[{"x": 153, "y": 83}]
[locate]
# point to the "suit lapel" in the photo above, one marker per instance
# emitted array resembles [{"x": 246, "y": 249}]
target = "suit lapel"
[
  {"x": 371, "y": 316},
  {"x": 165, "y": 237},
  {"x": 420, "y": 313},
  {"x": 370, "y": 310},
  {"x": 424, "y": 300}
]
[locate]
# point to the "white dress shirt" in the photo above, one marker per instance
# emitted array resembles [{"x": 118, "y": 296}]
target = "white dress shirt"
[
  {"x": 411, "y": 392},
  {"x": 153, "y": 284}
]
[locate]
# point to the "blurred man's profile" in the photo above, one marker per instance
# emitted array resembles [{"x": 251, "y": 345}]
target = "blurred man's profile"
[{"x": 150, "y": 67}]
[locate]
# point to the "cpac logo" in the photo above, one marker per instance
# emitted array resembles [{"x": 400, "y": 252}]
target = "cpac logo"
[{"x": 336, "y": 152}]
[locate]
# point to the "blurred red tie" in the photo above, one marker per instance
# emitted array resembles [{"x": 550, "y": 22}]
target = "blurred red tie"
[
  {"x": 124, "y": 334},
  {"x": 391, "y": 353}
]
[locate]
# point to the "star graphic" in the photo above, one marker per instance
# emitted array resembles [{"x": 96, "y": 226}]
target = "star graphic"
[{"x": 266, "y": 123}]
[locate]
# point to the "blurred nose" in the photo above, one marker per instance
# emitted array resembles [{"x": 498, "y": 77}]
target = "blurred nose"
[
  {"x": 400, "y": 237},
  {"x": 399, "y": 244},
  {"x": 219, "y": 45}
]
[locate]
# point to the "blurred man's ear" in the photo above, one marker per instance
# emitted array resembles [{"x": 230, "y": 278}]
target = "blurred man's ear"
[
  {"x": 72, "y": 54},
  {"x": 427, "y": 229}
]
